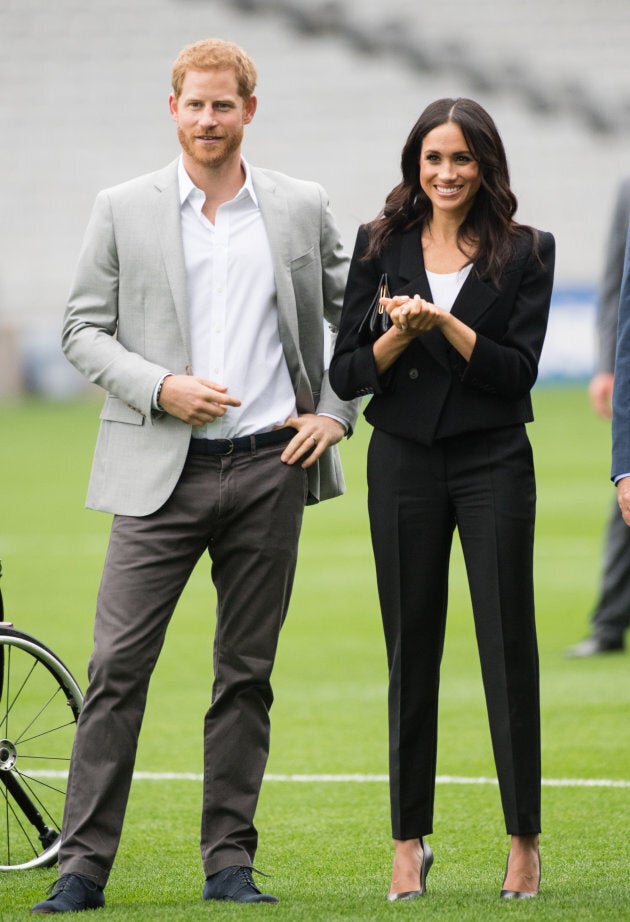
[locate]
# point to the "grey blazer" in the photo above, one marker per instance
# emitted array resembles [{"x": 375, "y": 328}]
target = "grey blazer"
[{"x": 126, "y": 325}]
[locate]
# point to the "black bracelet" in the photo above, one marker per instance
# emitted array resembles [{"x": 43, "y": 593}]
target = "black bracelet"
[{"x": 159, "y": 390}]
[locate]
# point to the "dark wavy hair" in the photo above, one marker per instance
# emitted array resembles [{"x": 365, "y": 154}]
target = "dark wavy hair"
[{"x": 489, "y": 225}]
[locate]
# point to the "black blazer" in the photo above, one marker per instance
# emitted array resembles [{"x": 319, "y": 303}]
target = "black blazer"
[{"x": 431, "y": 392}]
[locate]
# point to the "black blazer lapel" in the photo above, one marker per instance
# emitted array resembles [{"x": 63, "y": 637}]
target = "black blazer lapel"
[
  {"x": 413, "y": 280},
  {"x": 473, "y": 300},
  {"x": 410, "y": 267}
]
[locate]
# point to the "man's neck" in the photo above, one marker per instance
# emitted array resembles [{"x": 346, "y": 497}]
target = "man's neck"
[{"x": 219, "y": 183}]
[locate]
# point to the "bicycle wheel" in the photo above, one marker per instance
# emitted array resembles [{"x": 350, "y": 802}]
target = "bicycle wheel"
[{"x": 39, "y": 706}]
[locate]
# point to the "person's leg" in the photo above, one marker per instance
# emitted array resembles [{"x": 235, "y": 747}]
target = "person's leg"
[
  {"x": 611, "y": 617},
  {"x": 413, "y": 859},
  {"x": 494, "y": 490},
  {"x": 147, "y": 565},
  {"x": 523, "y": 869},
  {"x": 254, "y": 553},
  {"x": 412, "y": 525}
]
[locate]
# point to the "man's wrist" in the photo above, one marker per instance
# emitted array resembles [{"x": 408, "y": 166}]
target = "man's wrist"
[
  {"x": 158, "y": 390},
  {"x": 342, "y": 422}
]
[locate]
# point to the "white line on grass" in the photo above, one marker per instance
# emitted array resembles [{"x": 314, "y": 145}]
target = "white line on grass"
[{"x": 358, "y": 779}]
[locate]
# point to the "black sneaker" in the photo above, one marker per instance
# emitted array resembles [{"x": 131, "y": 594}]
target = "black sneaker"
[
  {"x": 237, "y": 884},
  {"x": 72, "y": 893}
]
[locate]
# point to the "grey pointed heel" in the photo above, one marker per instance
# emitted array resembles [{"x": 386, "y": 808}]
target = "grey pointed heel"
[
  {"x": 427, "y": 861},
  {"x": 520, "y": 894}
]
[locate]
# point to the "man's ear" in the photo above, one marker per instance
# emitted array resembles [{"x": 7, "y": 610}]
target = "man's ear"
[
  {"x": 172, "y": 105},
  {"x": 250, "y": 109}
]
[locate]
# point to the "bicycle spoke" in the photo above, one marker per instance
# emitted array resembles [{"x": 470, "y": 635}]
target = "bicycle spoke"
[
  {"x": 42, "y": 708},
  {"x": 44, "y": 808},
  {"x": 31, "y": 779},
  {"x": 29, "y": 739},
  {"x": 26, "y": 834},
  {"x": 11, "y": 703}
]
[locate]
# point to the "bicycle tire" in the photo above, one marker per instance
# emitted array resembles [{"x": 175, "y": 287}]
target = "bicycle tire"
[{"x": 40, "y": 702}]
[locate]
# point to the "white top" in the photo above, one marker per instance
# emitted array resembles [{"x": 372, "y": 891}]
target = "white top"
[
  {"x": 445, "y": 286},
  {"x": 233, "y": 310}
]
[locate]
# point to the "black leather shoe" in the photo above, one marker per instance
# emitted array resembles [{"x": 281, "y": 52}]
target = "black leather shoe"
[
  {"x": 593, "y": 646},
  {"x": 520, "y": 894},
  {"x": 236, "y": 884},
  {"x": 72, "y": 893},
  {"x": 427, "y": 861}
]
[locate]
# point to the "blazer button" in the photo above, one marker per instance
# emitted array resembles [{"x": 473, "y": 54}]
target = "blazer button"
[{"x": 413, "y": 373}]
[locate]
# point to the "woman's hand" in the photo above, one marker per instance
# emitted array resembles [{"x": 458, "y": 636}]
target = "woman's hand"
[
  {"x": 409, "y": 316},
  {"x": 413, "y": 315}
]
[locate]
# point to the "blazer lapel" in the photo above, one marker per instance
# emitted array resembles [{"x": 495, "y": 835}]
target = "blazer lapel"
[
  {"x": 413, "y": 277},
  {"x": 473, "y": 300},
  {"x": 275, "y": 215},
  {"x": 411, "y": 267},
  {"x": 166, "y": 212}
]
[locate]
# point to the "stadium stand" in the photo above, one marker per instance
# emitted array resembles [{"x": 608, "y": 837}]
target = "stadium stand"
[{"x": 84, "y": 105}]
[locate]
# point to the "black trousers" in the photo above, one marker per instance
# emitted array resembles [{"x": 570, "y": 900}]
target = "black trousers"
[
  {"x": 611, "y": 617},
  {"x": 482, "y": 483}
]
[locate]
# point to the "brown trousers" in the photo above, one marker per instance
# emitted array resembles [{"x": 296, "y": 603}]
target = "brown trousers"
[{"x": 246, "y": 510}]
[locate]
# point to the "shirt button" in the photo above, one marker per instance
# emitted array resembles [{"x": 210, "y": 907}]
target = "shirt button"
[{"x": 413, "y": 373}]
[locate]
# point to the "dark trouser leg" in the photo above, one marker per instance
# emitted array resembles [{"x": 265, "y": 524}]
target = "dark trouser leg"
[
  {"x": 494, "y": 492},
  {"x": 148, "y": 563},
  {"x": 411, "y": 522},
  {"x": 254, "y": 552},
  {"x": 611, "y": 616}
]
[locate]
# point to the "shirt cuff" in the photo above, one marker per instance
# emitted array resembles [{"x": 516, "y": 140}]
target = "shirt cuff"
[
  {"x": 155, "y": 402},
  {"x": 342, "y": 421}
]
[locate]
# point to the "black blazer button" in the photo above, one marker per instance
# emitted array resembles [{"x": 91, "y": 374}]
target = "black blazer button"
[{"x": 413, "y": 373}]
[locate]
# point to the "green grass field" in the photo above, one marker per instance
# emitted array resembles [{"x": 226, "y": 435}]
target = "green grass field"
[{"x": 326, "y": 843}]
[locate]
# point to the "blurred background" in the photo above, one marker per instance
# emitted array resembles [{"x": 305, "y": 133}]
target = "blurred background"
[{"x": 84, "y": 89}]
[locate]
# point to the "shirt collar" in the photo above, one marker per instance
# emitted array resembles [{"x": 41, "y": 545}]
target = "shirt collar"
[{"x": 188, "y": 188}]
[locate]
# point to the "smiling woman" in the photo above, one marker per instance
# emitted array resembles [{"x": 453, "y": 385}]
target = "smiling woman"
[
  {"x": 449, "y": 173},
  {"x": 451, "y": 380}
]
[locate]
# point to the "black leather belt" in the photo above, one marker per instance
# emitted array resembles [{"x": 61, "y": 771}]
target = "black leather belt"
[{"x": 241, "y": 443}]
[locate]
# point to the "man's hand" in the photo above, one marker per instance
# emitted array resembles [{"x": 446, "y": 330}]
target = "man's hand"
[
  {"x": 315, "y": 434},
  {"x": 623, "y": 498},
  {"x": 600, "y": 392},
  {"x": 195, "y": 400}
]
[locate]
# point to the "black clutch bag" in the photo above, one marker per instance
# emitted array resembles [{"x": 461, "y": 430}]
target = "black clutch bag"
[{"x": 376, "y": 320}]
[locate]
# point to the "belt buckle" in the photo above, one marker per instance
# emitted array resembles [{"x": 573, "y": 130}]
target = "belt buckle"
[{"x": 230, "y": 449}]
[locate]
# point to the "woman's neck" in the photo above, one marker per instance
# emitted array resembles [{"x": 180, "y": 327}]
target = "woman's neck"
[{"x": 442, "y": 250}]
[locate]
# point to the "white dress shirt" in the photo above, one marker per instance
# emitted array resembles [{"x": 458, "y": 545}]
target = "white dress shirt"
[{"x": 233, "y": 310}]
